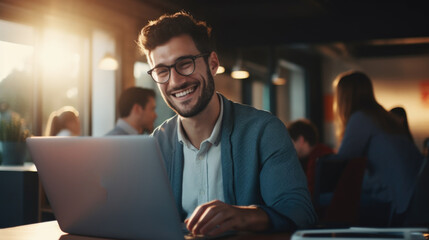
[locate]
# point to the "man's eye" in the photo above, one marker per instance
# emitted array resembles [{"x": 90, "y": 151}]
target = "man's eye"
[
  {"x": 184, "y": 64},
  {"x": 161, "y": 71}
]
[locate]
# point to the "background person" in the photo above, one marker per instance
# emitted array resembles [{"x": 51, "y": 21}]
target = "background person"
[
  {"x": 366, "y": 129},
  {"x": 63, "y": 122},
  {"x": 137, "y": 114},
  {"x": 402, "y": 115},
  {"x": 231, "y": 166},
  {"x": 305, "y": 138}
]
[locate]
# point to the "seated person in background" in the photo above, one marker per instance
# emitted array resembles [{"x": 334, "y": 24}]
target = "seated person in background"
[
  {"x": 63, "y": 122},
  {"x": 231, "y": 166},
  {"x": 137, "y": 114},
  {"x": 305, "y": 138},
  {"x": 402, "y": 115},
  {"x": 368, "y": 130}
]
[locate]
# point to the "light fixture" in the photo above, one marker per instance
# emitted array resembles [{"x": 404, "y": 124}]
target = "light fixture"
[
  {"x": 220, "y": 70},
  {"x": 108, "y": 62},
  {"x": 277, "y": 80},
  {"x": 238, "y": 72}
]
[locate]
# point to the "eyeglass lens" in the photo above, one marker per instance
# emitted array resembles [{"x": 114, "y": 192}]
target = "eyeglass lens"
[{"x": 184, "y": 67}]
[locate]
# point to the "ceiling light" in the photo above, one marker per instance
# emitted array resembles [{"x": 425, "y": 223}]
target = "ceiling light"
[
  {"x": 277, "y": 80},
  {"x": 108, "y": 62},
  {"x": 238, "y": 72},
  {"x": 220, "y": 70}
]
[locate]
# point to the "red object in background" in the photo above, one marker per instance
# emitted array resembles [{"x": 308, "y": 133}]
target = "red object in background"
[{"x": 424, "y": 93}]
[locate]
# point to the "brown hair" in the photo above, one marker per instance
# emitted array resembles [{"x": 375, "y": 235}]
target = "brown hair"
[
  {"x": 354, "y": 92},
  {"x": 131, "y": 96},
  {"x": 160, "y": 31},
  {"x": 59, "y": 119},
  {"x": 304, "y": 128}
]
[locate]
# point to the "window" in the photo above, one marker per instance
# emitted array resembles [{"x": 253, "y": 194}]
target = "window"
[
  {"x": 54, "y": 63},
  {"x": 17, "y": 70}
]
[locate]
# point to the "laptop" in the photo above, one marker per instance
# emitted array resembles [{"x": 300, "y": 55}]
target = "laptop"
[
  {"x": 362, "y": 233},
  {"x": 110, "y": 187}
]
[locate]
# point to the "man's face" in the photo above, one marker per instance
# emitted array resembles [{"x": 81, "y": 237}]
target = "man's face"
[
  {"x": 302, "y": 147},
  {"x": 148, "y": 115},
  {"x": 187, "y": 95}
]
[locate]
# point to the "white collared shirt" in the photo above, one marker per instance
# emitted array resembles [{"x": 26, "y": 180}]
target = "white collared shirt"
[{"x": 202, "y": 171}]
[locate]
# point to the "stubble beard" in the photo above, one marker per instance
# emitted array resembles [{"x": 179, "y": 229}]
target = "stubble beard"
[{"x": 203, "y": 100}]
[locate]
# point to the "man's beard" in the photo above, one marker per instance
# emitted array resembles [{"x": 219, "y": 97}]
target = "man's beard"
[{"x": 203, "y": 100}]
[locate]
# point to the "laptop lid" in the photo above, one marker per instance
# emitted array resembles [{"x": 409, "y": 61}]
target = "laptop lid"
[{"x": 114, "y": 186}]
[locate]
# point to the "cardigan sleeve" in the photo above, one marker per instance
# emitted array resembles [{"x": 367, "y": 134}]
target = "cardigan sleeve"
[{"x": 283, "y": 182}]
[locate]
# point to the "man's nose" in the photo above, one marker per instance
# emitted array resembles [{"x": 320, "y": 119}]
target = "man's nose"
[{"x": 175, "y": 77}]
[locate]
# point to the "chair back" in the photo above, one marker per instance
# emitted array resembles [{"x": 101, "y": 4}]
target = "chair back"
[
  {"x": 338, "y": 187},
  {"x": 417, "y": 214}
]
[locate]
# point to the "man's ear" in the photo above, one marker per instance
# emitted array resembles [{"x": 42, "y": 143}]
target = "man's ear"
[
  {"x": 136, "y": 108},
  {"x": 213, "y": 63}
]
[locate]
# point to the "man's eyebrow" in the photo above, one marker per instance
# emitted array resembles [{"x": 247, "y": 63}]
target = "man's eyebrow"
[{"x": 175, "y": 61}]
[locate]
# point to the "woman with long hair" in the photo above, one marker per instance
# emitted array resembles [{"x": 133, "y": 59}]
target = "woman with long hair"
[
  {"x": 366, "y": 129},
  {"x": 63, "y": 122}
]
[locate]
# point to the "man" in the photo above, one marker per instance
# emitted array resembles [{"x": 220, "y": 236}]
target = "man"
[
  {"x": 137, "y": 114},
  {"x": 305, "y": 138},
  {"x": 231, "y": 167}
]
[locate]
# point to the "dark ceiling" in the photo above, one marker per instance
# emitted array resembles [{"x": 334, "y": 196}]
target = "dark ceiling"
[{"x": 348, "y": 27}]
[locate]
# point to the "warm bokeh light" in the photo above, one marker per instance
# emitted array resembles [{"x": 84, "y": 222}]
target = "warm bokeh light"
[
  {"x": 220, "y": 70},
  {"x": 72, "y": 92},
  {"x": 240, "y": 74},
  {"x": 108, "y": 62},
  {"x": 279, "y": 81}
]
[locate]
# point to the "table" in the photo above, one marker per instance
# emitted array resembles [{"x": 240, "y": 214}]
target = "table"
[
  {"x": 51, "y": 231},
  {"x": 19, "y": 194}
]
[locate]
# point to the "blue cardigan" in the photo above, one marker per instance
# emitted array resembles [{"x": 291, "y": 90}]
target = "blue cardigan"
[{"x": 259, "y": 166}]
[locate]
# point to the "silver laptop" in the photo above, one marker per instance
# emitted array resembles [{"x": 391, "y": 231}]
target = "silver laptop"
[{"x": 112, "y": 187}]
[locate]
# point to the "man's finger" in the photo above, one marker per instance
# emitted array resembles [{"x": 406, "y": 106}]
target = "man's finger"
[{"x": 213, "y": 216}]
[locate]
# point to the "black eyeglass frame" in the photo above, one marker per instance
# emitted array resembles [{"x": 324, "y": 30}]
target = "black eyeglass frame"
[{"x": 174, "y": 65}]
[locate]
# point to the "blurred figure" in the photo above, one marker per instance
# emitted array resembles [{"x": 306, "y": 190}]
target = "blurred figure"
[
  {"x": 305, "y": 138},
  {"x": 402, "y": 115},
  {"x": 368, "y": 130},
  {"x": 137, "y": 114},
  {"x": 64, "y": 122}
]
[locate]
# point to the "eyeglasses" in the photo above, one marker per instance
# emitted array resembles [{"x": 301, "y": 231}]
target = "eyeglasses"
[{"x": 184, "y": 66}]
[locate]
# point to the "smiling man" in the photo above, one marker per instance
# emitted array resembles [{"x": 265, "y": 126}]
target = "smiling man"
[{"x": 231, "y": 167}]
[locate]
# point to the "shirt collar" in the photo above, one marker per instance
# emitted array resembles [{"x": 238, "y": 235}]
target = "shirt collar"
[
  {"x": 126, "y": 127},
  {"x": 214, "y": 137}
]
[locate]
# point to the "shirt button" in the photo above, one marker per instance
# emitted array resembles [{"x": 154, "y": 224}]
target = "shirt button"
[{"x": 200, "y": 157}]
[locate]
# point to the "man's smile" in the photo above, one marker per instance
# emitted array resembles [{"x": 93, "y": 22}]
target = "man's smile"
[{"x": 184, "y": 92}]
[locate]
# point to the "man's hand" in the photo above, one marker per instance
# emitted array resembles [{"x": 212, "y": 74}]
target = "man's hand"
[{"x": 216, "y": 217}]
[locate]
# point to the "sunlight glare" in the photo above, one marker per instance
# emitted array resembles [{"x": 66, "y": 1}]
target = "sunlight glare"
[{"x": 14, "y": 57}]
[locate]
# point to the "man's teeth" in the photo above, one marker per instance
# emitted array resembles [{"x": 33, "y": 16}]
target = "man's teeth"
[{"x": 184, "y": 93}]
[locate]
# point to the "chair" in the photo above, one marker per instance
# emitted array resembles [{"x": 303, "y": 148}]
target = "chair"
[
  {"x": 338, "y": 189},
  {"x": 417, "y": 214}
]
